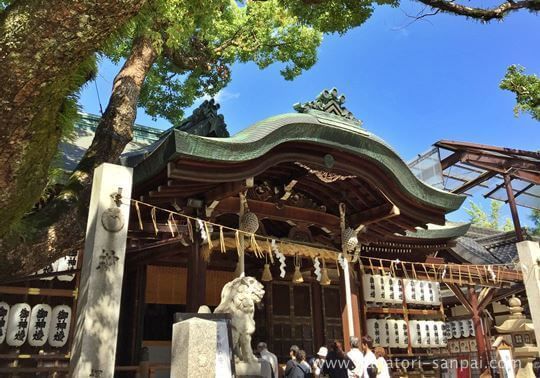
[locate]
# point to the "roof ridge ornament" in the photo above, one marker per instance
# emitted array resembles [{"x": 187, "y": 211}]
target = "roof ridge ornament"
[
  {"x": 328, "y": 101},
  {"x": 205, "y": 121}
]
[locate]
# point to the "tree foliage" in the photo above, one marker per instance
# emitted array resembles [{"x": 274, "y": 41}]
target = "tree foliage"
[
  {"x": 491, "y": 220},
  {"x": 535, "y": 218},
  {"x": 526, "y": 88}
]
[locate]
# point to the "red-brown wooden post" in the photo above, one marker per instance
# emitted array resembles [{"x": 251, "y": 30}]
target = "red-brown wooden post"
[
  {"x": 478, "y": 328},
  {"x": 354, "y": 304},
  {"x": 196, "y": 279}
]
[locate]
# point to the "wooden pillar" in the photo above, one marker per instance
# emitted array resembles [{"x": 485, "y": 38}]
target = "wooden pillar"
[
  {"x": 513, "y": 207},
  {"x": 317, "y": 311},
  {"x": 354, "y": 305},
  {"x": 196, "y": 279},
  {"x": 362, "y": 303},
  {"x": 478, "y": 328}
]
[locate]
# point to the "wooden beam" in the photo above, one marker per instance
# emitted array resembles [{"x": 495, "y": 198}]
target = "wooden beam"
[
  {"x": 376, "y": 214},
  {"x": 450, "y": 160},
  {"x": 37, "y": 291},
  {"x": 472, "y": 183},
  {"x": 461, "y": 297},
  {"x": 485, "y": 297},
  {"x": 282, "y": 213},
  {"x": 227, "y": 189}
]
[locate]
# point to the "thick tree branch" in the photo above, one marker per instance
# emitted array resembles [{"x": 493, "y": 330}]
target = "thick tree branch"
[
  {"x": 483, "y": 14},
  {"x": 43, "y": 44},
  {"x": 59, "y": 228}
]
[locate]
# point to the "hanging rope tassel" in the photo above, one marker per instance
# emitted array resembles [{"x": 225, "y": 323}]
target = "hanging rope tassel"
[
  {"x": 170, "y": 224},
  {"x": 269, "y": 247},
  {"x": 222, "y": 246},
  {"x": 154, "y": 222},
  {"x": 255, "y": 246},
  {"x": 139, "y": 215},
  {"x": 237, "y": 240},
  {"x": 190, "y": 230}
]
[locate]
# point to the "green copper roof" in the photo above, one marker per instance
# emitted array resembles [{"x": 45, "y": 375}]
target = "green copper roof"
[
  {"x": 448, "y": 231},
  {"x": 315, "y": 127}
]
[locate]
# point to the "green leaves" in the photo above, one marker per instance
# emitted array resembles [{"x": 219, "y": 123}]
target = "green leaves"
[
  {"x": 526, "y": 89},
  {"x": 479, "y": 217}
]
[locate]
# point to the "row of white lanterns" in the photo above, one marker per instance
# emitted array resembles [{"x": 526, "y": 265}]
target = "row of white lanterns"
[
  {"x": 388, "y": 332},
  {"x": 37, "y": 325},
  {"x": 392, "y": 333},
  {"x": 457, "y": 329},
  {"x": 388, "y": 289}
]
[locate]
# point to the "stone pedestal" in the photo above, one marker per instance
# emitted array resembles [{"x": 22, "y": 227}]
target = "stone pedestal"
[{"x": 194, "y": 349}]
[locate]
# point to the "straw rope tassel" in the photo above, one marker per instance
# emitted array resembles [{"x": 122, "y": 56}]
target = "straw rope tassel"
[
  {"x": 170, "y": 224},
  {"x": 154, "y": 222},
  {"x": 237, "y": 240},
  {"x": 139, "y": 215},
  {"x": 222, "y": 247},
  {"x": 208, "y": 236},
  {"x": 269, "y": 247},
  {"x": 190, "y": 230}
]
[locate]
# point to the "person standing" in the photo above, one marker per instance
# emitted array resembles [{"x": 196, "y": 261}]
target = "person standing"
[
  {"x": 337, "y": 364},
  {"x": 265, "y": 354},
  {"x": 301, "y": 358},
  {"x": 356, "y": 357},
  {"x": 382, "y": 365},
  {"x": 318, "y": 363},
  {"x": 369, "y": 356},
  {"x": 293, "y": 369}
]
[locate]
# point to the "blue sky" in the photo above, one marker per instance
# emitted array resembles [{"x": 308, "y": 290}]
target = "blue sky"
[{"x": 410, "y": 84}]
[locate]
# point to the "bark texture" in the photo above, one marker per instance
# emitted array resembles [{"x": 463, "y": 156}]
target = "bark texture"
[
  {"x": 43, "y": 45},
  {"x": 59, "y": 227},
  {"x": 483, "y": 14}
]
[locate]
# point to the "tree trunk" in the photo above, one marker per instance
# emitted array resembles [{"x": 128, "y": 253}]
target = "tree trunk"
[
  {"x": 59, "y": 228},
  {"x": 46, "y": 50}
]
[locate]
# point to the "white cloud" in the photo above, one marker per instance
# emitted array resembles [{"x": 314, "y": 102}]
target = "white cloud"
[{"x": 223, "y": 96}]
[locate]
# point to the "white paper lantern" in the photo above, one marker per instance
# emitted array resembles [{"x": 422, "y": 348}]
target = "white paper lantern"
[
  {"x": 410, "y": 291},
  {"x": 420, "y": 292},
  {"x": 433, "y": 334},
  {"x": 385, "y": 332},
  {"x": 369, "y": 287},
  {"x": 425, "y": 339},
  {"x": 416, "y": 333},
  {"x": 398, "y": 290},
  {"x": 40, "y": 322},
  {"x": 380, "y": 293},
  {"x": 465, "y": 330},
  {"x": 393, "y": 333},
  {"x": 374, "y": 331},
  {"x": 472, "y": 331},
  {"x": 64, "y": 264},
  {"x": 448, "y": 330},
  {"x": 403, "y": 335},
  {"x": 61, "y": 321},
  {"x": 436, "y": 293},
  {"x": 17, "y": 329},
  {"x": 4, "y": 316},
  {"x": 441, "y": 329}
]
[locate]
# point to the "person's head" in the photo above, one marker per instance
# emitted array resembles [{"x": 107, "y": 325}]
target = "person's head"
[
  {"x": 301, "y": 355},
  {"x": 372, "y": 371},
  {"x": 293, "y": 351},
  {"x": 337, "y": 348},
  {"x": 323, "y": 351},
  {"x": 380, "y": 352},
  {"x": 367, "y": 343},
  {"x": 355, "y": 343},
  {"x": 261, "y": 346}
]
